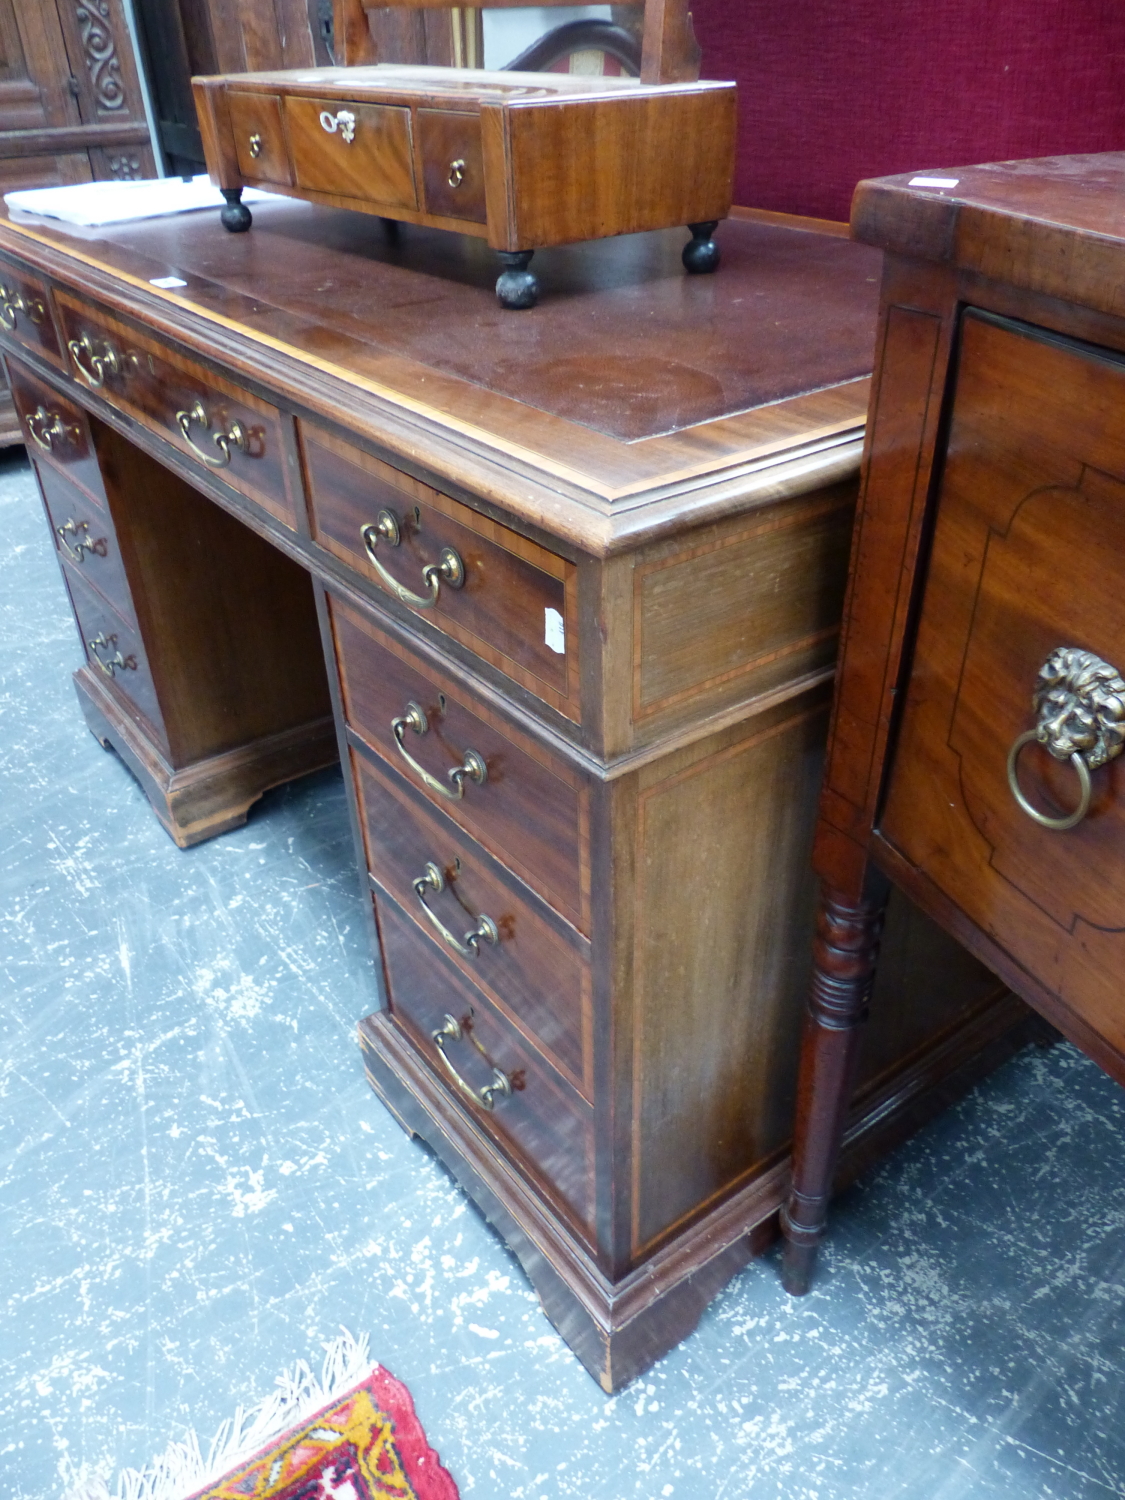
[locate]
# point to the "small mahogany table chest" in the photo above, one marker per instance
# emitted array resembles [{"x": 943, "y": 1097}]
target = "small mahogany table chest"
[
  {"x": 980, "y": 707},
  {"x": 578, "y": 580},
  {"x": 524, "y": 160}
]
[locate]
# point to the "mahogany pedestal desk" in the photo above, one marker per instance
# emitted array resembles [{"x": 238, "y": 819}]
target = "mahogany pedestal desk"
[
  {"x": 578, "y": 580},
  {"x": 980, "y": 707}
]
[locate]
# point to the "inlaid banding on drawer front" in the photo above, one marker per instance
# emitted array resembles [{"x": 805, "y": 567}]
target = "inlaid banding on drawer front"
[
  {"x": 517, "y": 607},
  {"x": 57, "y": 430},
  {"x": 544, "y": 1127},
  {"x": 222, "y": 429},
  {"x": 85, "y": 537},
  {"x": 533, "y": 809},
  {"x": 25, "y": 312},
  {"x": 114, "y": 649},
  {"x": 534, "y": 969}
]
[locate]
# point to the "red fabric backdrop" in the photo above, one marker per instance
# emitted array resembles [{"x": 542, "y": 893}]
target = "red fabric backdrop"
[{"x": 831, "y": 91}]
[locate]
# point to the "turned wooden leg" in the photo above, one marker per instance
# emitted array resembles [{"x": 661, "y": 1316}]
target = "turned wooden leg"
[
  {"x": 844, "y": 955},
  {"x": 701, "y": 254},
  {"x": 517, "y": 287},
  {"x": 234, "y": 214}
]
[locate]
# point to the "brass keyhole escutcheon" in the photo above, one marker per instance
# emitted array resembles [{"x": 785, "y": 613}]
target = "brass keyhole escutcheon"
[
  {"x": 255, "y": 145},
  {"x": 456, "y": 173}
]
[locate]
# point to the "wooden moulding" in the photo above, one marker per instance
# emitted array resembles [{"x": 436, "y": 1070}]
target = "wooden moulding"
[
  {"x": 618, "y": 1329},
  {"x": 209, "y": 796}
]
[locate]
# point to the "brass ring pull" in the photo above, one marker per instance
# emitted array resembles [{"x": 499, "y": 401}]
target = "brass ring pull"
[
  {"x": 12, "y": 303},
  {"x": 1079, "y": 701},
  {"x": 75, "y": 549},
  {"x": 472, "y": 767},
  {"x": 255, "y": 145},
  {"x": 456, "y": 173},
  {"x": 46, "y": 427},
  {"x": 110, "y": 664},
  {"x": 485, "y": 931},
  {"x": 96, "y": 366},
  {"x": 449, "y": 569},
  {"x": 501, "y": 1086},
  {"x": 234, "y": 436}
]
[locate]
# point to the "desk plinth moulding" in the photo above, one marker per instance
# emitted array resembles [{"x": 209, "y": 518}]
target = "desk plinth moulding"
[
  {"x": 524, "y": 160},
  {"x": 980, "y": 709},
  {"x": 579, "y": 587}
]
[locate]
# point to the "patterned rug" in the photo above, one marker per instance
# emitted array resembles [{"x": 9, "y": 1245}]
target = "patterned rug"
[{"x": 350, "y": 1435}]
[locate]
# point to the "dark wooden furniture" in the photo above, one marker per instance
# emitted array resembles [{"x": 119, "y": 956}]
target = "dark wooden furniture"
[
  {"x": 579, "y": 583},
  {"x": 980, "y": 707},
  {"x": 523, "y": 160}
]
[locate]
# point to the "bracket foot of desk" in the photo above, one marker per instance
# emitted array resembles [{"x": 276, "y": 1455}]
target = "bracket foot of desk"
[{"x": 208, "y": 797}]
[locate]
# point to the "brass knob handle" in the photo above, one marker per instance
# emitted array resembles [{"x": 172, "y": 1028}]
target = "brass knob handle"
[
  {"x": 235, "y": 436},
  {"x": 72, "y": 539},
  {"x": 472, "y": 767},
  {"x": 110, "y": 664},
  {"x": 255, "y": 145},
  {"x": 94, "y": 368},
  {"x": 47, "y": 428},
  {"x": 343, "y": 121},
  {"x": 486, "y": 931},
  {"x": 451, "y": 1030},
  {"x": 449, "y": 568},
  {"x": 456, "y": 173},
  {"x": 12, "y": 303},
  {"x": 1079, "y": 701}
]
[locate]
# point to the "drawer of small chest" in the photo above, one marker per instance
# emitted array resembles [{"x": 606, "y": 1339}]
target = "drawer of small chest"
[
  {"x": 25, "y": 312},
  {"x": 352, "y": 150},
  {"x": 539, "y": 1123},
  {"x": 504, "y": 597},
  {"x": 532, "y": 966},
  {"x": 113, "y": 647},
  {"x": 57, "y": 429},
  {"x": 525, "y": 804},
  {"x": 85, "y": 537},
  {"x": 224, "y": 430}
]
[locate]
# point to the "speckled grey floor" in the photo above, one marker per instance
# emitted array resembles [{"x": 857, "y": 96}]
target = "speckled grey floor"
[{"x": 197, "y": 1189}]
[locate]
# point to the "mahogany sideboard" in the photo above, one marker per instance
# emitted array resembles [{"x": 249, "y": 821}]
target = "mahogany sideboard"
[
  {"x": 980, "y": 707},
  {"x": 578, "y": 582}
]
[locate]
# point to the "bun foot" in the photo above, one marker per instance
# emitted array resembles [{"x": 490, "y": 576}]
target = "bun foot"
[
  {"x": 701, "y": 254},
  {"x": 517, "y": 287},
  {"x": 234, "y": 215}
]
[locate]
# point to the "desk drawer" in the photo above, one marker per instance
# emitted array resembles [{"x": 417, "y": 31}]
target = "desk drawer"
[
  {"x": 542, "y": 1126},
  {"x": 113, "y": 648},
  {"x": 1026, "y": 560},
  {"x": 452, "y": 164},
  {"x": 516, "y": 605},
  {"x": 222, "y": 429},
  {"x": 25, "y": 312},
  {"x": 352, "y": 150},
  {"x": 531, "y": 967},
  {"x": 259, "y": 138},
  {"x": 531, "y": 810},
  {"x": 84, "y": 536},
  {"x": 58, "y": 430}
]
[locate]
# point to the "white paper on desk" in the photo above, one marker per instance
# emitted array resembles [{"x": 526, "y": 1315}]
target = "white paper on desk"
[{"x": 96, "y": 203}]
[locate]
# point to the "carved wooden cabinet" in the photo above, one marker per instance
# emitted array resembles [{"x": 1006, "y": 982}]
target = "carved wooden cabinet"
[
  {"x": 579, "y": 583},
  {"x": 980, "y": 712}
]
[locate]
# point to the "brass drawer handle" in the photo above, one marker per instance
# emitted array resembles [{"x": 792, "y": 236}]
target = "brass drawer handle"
[
  {"x": 12, "y": 303},
  {"x": 255, "y": 145},
  {"x": 449, "y": 569},
  {"x": 456, "y": 173},
  {"x": 472, "y": 767},
  {"x": 235, "y": 436},
  {"x": 1079, "y": 701},
  {"x": 47, "y": 428},
  {"x": 343, "y": 121},
  {"x": 110, "y": 664},
  {"x": 94, "y": 367},
  {"x": 72, "y": 539},
  {"x": 485, "y": 931},
  {"x": 501, "y": 1086}
]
